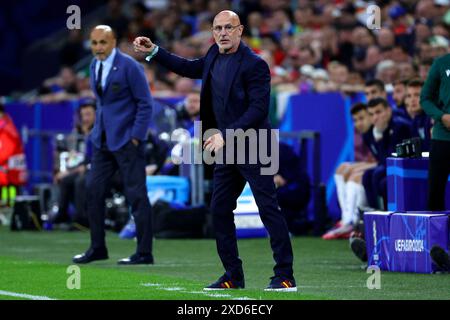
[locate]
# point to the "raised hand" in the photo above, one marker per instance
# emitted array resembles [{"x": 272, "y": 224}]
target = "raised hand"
[{"x": 143, "y": 45}]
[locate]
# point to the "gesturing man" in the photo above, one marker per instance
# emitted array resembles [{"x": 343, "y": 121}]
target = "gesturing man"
[
  {"x": 235, "y": 95},
  {"x": 124, "y": 108}
]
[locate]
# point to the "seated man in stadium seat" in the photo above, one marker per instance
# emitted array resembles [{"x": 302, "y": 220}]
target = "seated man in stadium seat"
[
  {"x": 386, "y": 132},
  {"x": 293, "y": 190},
  {"x": 421, "y": 122},
  {"x": 71, "y": 176},
  {"x": 348, "y": 177}
]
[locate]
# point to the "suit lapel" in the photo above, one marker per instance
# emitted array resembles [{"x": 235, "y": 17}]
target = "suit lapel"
[
  {"x": 206, "y": 112},
  {"x": 208, "y": 63}
]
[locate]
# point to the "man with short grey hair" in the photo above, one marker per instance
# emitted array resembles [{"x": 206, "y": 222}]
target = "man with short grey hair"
[
  {"x": 124, "y": 109},
  {"x": 235, "y": 95}
]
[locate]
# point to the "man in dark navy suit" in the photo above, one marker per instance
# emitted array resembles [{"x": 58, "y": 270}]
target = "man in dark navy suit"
[
  {"x": 386, "y": 132},
  {"x": 124, "y": 108},
  {"x": 235, "y": 95}
]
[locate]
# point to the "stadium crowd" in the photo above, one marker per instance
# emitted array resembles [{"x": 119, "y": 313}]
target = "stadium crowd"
[{"x": 309, "y": 45}]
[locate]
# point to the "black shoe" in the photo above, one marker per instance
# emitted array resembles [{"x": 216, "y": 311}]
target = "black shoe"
[
  {"x": 137, "y": 259},
  {"x": 226, "y": 282},
  {"x": 281, "y": 284},
  {"x": 440, "y": 258},
  {"x": 358, "y": 247},
  {"x": 91, "y": 255}
]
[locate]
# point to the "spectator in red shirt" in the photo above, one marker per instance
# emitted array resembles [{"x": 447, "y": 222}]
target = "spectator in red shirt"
[{"x": 12, "y": 158}]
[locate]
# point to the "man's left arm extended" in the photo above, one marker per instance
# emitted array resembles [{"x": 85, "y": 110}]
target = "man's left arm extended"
[{"x": 141, "y": 95}]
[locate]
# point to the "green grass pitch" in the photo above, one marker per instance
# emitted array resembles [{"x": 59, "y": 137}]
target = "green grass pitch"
[{"x": 34, "y": 265}]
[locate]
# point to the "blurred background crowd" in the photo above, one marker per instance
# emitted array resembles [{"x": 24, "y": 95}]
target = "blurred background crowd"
[{"x": 309, "y": 45}]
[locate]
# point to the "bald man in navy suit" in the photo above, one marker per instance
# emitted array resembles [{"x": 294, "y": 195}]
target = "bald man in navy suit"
[
  {"x": 235, "y": 95},
  {"x": 124, "y": 108}
]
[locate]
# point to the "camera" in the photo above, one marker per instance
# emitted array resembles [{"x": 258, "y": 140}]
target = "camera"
[{"x": 409, "y": 148}]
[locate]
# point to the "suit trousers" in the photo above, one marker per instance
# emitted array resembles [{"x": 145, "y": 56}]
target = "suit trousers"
[
  {"x": 229, "y": 181},
  {"x": 130, "y": 160},
  {"x": 438, "y": 172}
]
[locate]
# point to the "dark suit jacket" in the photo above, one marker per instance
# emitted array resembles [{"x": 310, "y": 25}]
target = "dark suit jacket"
[
  {"x": 247, "y": 87},
  {"x": 125, "y": 108}
]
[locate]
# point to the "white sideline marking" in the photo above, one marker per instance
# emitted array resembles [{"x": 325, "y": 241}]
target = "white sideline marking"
[
  {"x": 214, "y": 295},
  {"x": 320, "y": 287},
  {"x": 23, "y": 295},
  {"x": 219, "y": 295},
  {"x": 150, "y": 284},
  {"x": 184, "y": 290},
  {"x": 174, "y": 289}
]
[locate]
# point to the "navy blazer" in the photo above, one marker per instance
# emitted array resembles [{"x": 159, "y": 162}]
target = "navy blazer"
[
  {"x": 125, "y": 108},
  {"x": 247, "y": 84}
]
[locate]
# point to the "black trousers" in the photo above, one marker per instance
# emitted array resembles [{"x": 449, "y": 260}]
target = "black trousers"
[
  {"x": 130, "y": 160},
  {"x": 438, "y": 172},
  {"x": 375, "y": 185},
  {"x": 229, "y": 181}
]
